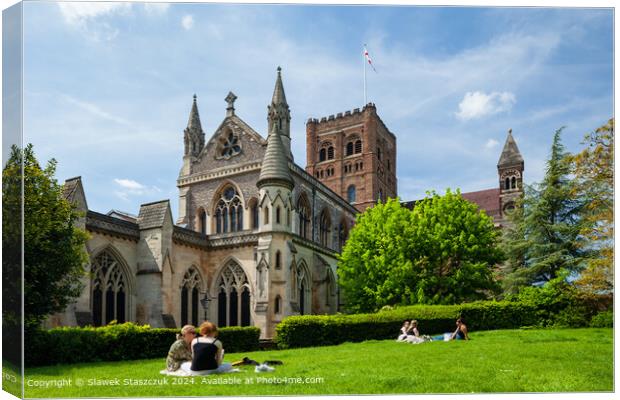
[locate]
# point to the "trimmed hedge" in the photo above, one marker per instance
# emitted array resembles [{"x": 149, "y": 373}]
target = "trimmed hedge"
[
  {"x": 323, "y": 330},
  {"x": 126, "y": 341}
]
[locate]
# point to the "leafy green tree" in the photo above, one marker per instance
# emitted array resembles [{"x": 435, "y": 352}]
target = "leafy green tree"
[
  {"x": 374, "y": 264},
  {"x": 442, "y": 252},
  {"x": 594, "y": 174},
  {"x": 54, "y": 248},
  {"x": 455, "y": 250},
  {"x": 544, "y": 234}
]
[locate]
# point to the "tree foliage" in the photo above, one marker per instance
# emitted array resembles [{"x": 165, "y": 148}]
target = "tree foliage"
[
  {"x": 594, "y": 175},
  {"x": 543, "y": 236},
  {"x": 54, "y": 248},
  {"x": 441, "y": 252}
]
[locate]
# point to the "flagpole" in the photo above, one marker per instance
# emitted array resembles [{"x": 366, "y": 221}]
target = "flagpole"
[{"x": 364, "y": 62}]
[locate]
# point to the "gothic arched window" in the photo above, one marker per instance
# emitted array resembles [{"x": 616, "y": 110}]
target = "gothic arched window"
[
  {"x": 351, "y": 194},
  {"x": 108, "y": 290},
  {"x": 304, "y": 289},
  {"x": 229, "y": 212},
  {"x": 513, "y": 182},
  {"x": 507, "y": 184},
  {"x": 254, "y": 211},
  {"x": 305, "y": 216},
  {"x": 277, "y": 215},
  {"x": 325, "y": 225},
  {"x": 326, "y": 152},
  {"x": 233, "y": 297},
  {"x": 278, "y": 305},
  {"x": 349, "y": 150},
  {"x": 190, "y": 297},
  {"x": 202, "y": 221},
  {"x": 343, "y": 233}
]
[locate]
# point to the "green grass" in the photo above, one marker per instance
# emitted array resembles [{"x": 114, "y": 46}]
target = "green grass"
[
  {"x": 11, "y": 378},
  {"x": 559, "y": 360}
]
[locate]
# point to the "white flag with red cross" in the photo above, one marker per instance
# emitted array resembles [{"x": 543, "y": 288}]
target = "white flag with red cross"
[{"x": 368, "y": 58}]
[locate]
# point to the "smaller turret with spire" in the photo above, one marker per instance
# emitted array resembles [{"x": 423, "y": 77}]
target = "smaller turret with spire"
[
  {"x": 510, "y": 169},
  {"x": 279, "y": 114},
  {"x": 194, "y": 137}
]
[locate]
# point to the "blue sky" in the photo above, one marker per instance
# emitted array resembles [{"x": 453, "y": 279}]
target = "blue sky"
[{"x": 108, "y": 86}]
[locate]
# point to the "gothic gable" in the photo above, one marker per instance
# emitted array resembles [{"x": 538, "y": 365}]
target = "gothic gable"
[{"x": 234, "y": 142}]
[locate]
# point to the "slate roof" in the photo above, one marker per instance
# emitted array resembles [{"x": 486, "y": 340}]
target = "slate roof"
[
  {"x": 510, "y": 154},
  {"x": 487, "y": 200},
  {"x": 122, "y": 215},
  {"x": 152, "y": 215},
  {"x": 275, "y": 163}
]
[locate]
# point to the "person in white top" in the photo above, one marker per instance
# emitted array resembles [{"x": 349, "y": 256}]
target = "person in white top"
[
  {"x": 403, "y": 331},
  {"x": 413, "y": 335}
]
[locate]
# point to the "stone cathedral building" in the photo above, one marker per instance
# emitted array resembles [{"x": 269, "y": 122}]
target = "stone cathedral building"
[{"x": 257, "y": 236}]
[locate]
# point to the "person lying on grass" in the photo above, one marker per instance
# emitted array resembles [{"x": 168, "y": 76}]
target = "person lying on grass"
[
  {"x": 180, "y": 350},
  {"x": 207, "y": 353},
  {"x": 404, "y": 331},
  {"x": 459, "y": 334}
]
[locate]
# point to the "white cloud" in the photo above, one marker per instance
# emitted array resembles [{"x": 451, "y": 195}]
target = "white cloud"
[
  {"x": 156, "y": 8},
  {"x": 187, "y": 22},
  {"x": 479, "y": 104},
  {"x": 86, "y": 17},
  {"x": 129, "y": 184},
  {"x": 491, "y": 144},
  {"x": 130, "y": 187},
  {"x": 77, "y": 13}
]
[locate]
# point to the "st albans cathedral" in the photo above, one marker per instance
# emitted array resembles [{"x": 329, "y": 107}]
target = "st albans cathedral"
[{"x": 256, "y": 236}]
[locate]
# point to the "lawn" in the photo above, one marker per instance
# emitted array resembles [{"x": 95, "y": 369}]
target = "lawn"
[{"x": 558, "y": 360}]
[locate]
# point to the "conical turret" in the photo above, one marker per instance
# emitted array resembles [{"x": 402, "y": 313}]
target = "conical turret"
[
  {"x": 275, "y": 170},
  {"x": 511, "y": 156},
  {"x": 279, "y": 114}
]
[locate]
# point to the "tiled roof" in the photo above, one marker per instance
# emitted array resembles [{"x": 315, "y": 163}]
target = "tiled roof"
[
  {"x": 152, "y": 215},
  {"x": 487, "y": 200}
]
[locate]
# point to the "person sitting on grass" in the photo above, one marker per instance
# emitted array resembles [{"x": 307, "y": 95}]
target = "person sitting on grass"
[
  {"x": 207, "y": 353},
  {"x": 459, "y": 334},
  {"x": 180, "y": 350},
  {"x": 414, "y": 335},
  {"x": 404, "y": 331}
]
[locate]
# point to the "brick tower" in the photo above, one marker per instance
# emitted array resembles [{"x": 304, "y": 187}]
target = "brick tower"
[
  {"x": 510, "y": 170},
  {"x": 354, "y": 154}
]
